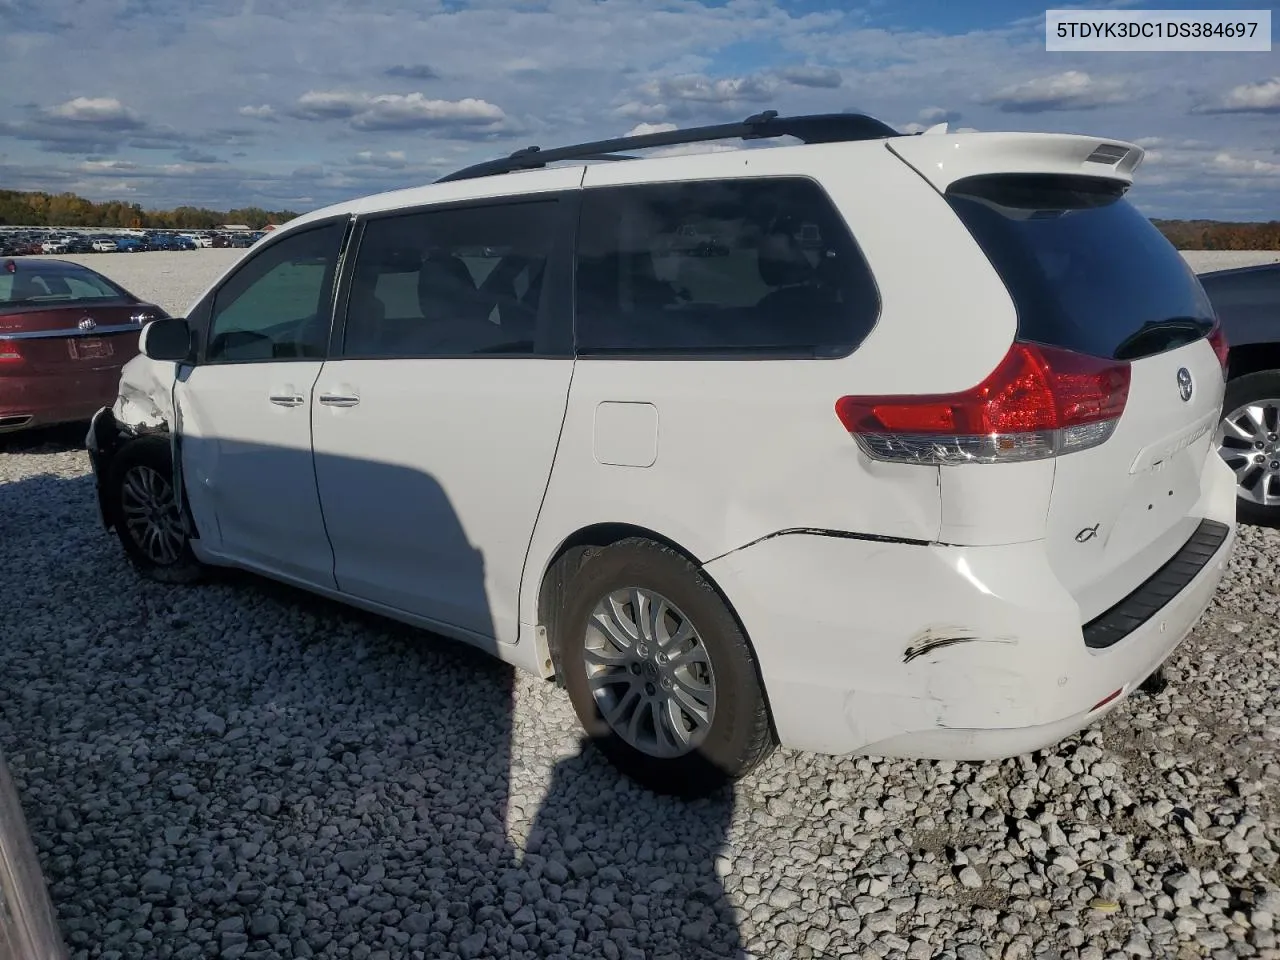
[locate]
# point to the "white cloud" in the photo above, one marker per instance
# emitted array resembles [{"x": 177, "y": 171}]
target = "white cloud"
[
  {"x": 755, "y": 88},
  {"x": 823, "y": 77},
  {"x": 101, "y": 111},
  {"x": 263, "y": 111},
  {"x": 1072, "y": 90},
  {"x": 1261, "y": 97},
  {"x": 1246, "y": 166},
  {"x": 389, "y": 160},
  {"x": 932, "y": 115},
  {"x": 394, "y": 111},
  {"x": 640, "y": 129}
]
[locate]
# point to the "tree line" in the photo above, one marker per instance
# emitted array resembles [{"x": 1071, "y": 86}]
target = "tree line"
[
  {"x": 69, "y": 210},
  {"x": 1215, "y": 235}
]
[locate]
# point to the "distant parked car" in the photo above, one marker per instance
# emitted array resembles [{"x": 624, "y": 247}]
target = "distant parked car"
[
  {"x": 102, "y": 245},
  {"x": 183, "y": 243},
  {"x": 1247, "y": 301},
  {"x": 65, "y": 332},
  {"x": 28, "y": 926},
  {"x": 130, "y": 245},
  {"x": 54, "y": 245}
]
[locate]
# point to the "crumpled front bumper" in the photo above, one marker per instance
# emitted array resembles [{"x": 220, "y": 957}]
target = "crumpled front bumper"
[
  {"x": 102, "y": 441},
  {"x": 28, "y": 927}
]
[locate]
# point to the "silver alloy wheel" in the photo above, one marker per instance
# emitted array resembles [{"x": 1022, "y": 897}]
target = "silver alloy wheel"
[
  {"x": 151, "y": 515},
  {"x": 1248, "y": 439},
  {"x": 649, "y": 672}
]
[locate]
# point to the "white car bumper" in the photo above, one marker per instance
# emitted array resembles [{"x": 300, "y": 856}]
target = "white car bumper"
[{"x": 931, "y": 651}]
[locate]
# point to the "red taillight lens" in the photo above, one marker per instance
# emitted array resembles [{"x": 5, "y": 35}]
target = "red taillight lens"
[
  {"x": 1039, "y": 401},
  {"x": 9, "y": 352},
  {"x": 1218, "y": 340}
]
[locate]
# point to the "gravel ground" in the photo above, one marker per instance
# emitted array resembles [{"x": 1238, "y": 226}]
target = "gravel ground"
[{"x": 240, "y": 770}]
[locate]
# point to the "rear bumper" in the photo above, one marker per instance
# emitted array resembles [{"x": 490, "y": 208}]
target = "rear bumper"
[
  {"x": 965, "y": 653},
  {"x": 47, "y": 399}
]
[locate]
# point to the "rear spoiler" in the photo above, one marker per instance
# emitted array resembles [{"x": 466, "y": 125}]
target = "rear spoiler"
[{"x": 942, "y": 159}]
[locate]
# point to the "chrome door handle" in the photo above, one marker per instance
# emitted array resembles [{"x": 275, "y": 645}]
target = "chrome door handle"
[
  {"x": 338, "y": 400},
  {"x": 286, "y": 399}
]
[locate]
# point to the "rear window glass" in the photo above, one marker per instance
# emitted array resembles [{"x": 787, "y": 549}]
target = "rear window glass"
[
  {"x": 756, "y": 268},
  {"x": 35, "y": 286},
  {"x": 1086, "y": 270}
]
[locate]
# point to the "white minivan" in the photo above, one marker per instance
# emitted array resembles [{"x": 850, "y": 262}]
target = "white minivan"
[{"x": 935, "y": 481}]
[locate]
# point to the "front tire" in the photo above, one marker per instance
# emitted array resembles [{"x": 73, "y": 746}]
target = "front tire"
[
  {"x": 1248, "y": 439},
  {"x": 145, "y": 514},
  {"x": 659, "y": 672}
]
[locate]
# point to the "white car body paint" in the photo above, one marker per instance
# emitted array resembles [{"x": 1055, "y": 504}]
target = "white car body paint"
[{"x": 895, "y": 609}]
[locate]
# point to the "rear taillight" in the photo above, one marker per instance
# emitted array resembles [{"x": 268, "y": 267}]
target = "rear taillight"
[
  {"x": 9, "y": 352},
  {"x": 1218, "y": 340},
  {"x": 1038, "y": 402}
]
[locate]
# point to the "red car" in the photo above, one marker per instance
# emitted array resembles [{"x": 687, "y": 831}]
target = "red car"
[{"x": 65, "y": 332}]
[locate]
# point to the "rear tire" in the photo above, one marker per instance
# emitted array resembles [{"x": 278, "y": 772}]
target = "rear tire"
[
  {"x": 678, "y": 704},
  {"x": 1258, "y": 484},
  {"x": 145, "y": 514}
]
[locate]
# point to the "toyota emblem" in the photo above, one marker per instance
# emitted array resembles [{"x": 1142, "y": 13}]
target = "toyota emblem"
[
  {"x": 88, "y": 323},
  {"x": 1185, "y": 387}
]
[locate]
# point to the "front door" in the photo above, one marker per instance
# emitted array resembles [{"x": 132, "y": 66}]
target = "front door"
[
  {"x": 436, "y": 428},
  {"x": 246, "y": 410}
]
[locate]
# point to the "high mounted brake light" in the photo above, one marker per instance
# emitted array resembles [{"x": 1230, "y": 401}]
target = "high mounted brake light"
[{"x": 1038, "y": 402}]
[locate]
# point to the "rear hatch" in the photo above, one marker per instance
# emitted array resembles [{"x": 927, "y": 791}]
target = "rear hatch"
[
  {"x": 1095, "y": 432},
  {"x": 1090, "y": 274}
]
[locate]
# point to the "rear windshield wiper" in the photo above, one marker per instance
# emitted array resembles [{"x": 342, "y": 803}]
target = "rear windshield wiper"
[{"x": 1157, "y": 336}]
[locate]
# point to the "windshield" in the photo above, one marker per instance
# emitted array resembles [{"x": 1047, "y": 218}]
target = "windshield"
[{"x": 1086, "y": 270}]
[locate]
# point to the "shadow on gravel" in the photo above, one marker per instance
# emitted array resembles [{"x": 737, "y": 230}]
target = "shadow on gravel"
[
  {"x": 56, "y": 439},
  {"x": 243, "y": 770}
]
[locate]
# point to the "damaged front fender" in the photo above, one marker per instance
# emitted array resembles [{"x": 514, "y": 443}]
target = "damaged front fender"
[
  {"x": 145, "y": 402},
  {"x": 143, "y": 407}
]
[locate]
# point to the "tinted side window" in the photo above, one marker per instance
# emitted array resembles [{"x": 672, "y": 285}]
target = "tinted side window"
[
  {"x": 276, "y": 306},
  {"x": 738, "y": 267},
  {"x": 455, "y": 282}
]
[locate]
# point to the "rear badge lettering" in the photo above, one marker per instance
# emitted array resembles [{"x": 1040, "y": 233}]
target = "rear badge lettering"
[
  {"x": 1185, "y": 386},
  {"x": 1088, "y": 533}
]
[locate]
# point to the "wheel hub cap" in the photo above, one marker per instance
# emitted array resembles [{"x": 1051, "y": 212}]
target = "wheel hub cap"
[
  {"x": 649, "y": 672},
  {"x": 150, "y": 515},
  {"x": 1248, "y": 439}
]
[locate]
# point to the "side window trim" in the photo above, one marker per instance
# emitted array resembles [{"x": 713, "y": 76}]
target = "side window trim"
[
  {"x": 555, "y": 307},
  {"x": 205, "y": 308}
]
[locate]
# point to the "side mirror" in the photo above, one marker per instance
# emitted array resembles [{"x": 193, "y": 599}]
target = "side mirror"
[{"x": 166, "y": 339}]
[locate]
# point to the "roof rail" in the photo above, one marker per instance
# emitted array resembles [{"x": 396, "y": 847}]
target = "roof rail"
[{"x": 811, "y": 128}]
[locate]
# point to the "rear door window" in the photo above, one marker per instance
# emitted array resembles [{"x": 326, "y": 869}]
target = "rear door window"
[
  {"x": 453, "y": 282},
  {"x": 752, "y": 268},
  {"x": 1086, "y": 270}
]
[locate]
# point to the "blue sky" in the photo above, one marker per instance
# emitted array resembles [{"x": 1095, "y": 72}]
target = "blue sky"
[{"x": 290, "y": 103}]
